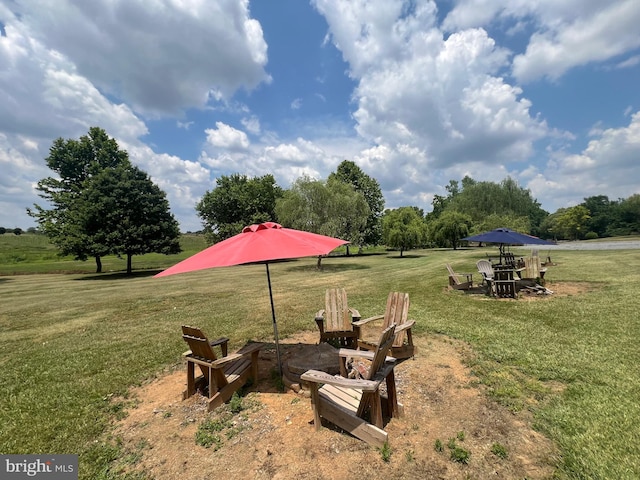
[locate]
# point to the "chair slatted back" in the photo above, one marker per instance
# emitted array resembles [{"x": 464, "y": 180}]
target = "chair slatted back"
[
  {"x": 532, "y": 267},
  {"x": 485, "y": 268},
  {"x": 396, "y": 313},
  {"x": 337, "y": 315},
  {"x": 384, "y": 344},
  {"x": 198, "y": 343},
  {"x": 453, "y": 278}
]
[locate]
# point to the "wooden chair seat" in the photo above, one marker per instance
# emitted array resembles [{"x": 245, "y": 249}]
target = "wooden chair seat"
[
  {"x": 356, "y": 404},
  {"x": 221, "y": 377}
]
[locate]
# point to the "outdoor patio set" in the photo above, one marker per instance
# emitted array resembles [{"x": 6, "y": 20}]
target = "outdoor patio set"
[
  {"x": 355, "y": 399},
  {"x": 502, "y": 280},
  {"x": 359, "y": 399},
  {"x": 504, "y": 277}
]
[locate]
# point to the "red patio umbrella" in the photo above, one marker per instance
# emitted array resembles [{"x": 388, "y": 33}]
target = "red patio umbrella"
[{"x": 261, "y": 243}]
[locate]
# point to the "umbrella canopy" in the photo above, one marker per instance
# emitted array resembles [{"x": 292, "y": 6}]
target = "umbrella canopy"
[
  {"x": 261, "y": 243},
  {"x": 506, "y": 236}
]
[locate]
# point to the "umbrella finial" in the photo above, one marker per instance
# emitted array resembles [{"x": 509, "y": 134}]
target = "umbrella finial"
[{"x": 261, "y": 226}]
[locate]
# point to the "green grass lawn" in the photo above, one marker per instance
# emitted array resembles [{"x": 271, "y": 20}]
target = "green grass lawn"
[
  {"x": 28, "y": 254},
  {"x": 73, "y": 344}
]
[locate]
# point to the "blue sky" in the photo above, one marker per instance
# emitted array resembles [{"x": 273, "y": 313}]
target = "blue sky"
[{"x": 415, "y": 92}]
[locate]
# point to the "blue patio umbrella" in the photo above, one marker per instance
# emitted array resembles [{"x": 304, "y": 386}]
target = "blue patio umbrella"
[{"x": 506, "y": 236}]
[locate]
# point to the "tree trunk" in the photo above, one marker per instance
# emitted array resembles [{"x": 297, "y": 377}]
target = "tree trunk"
[
  {"x": 98, "y": 264},
  {"x": 129, "y": 263},
  {"x": 319, "y": 264}
]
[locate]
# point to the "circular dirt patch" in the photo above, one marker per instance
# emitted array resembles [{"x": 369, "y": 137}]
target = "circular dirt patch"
[{"x": 274, "y": 436}]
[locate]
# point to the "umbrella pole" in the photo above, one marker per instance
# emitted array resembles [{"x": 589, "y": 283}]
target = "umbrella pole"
[{"x": 275, "y": 324}]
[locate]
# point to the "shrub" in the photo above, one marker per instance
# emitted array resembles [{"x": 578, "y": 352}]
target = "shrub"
[
  {"x": 460, "y": 455},
  {"x": 499, "y": 450}
]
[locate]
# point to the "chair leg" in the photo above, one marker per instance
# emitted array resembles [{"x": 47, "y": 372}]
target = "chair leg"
[
  {"x": 392, "y": 396},
  {"x": 212, "y": 383},
  {"x": 191, "y": 384},
  {"x": 315, "y": 403},
  {"x": 376, "y": 410}
]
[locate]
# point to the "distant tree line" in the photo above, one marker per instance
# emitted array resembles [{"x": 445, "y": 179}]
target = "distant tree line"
[
  {"x": 596, "y": 217},
  {"x": 15, "y": 231},
  {"x": 101, "y": 204}
]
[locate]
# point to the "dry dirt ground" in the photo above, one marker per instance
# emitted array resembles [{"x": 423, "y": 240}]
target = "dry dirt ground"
[{"x": 274, "y": 436}]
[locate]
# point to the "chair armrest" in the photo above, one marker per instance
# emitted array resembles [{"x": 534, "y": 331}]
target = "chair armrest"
[
  {"x": 405, "y": 326},
  {"x": 320, "y": 315},
  {"x": 355, "y": 315},
  {"x": 219, "y": 341},
  {"x": 244, "y": 352},
  {"x": 250, "y": 348},
  {"x": 223, "y": 343},
  {"x": 316, "y": 376},
  {"x": 367, "y": 320},
  {"x": 366, "y": 354},
  {"x": 219, "y": 363}
]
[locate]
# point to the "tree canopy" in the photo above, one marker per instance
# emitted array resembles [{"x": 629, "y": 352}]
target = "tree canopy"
[
  {"x": 449, "y": 228},
  {"x": 128, "y": 214},
  {"x": 491, "y": 205},
  {"x": 348, "y": 172},
  {"x": 237, "y": 201},
  {"x": 79, "y": 221},
  {"x": 404, "y": 228},
  {"x": 331, "y": 208}
]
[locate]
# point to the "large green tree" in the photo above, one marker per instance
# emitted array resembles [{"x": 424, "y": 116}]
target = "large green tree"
[
  {"x": 404, "y": 228},
  {"x": 480, "y": 200},
  {"x": 602, "y": 213},
  {"x": 350, "y": 173},
  {"x": 440, "y": 202},
  {"x": 74, "y": 162},
  {"x": 128, "y": 214},
  {"x": 305, "y": 206},
  {"x": 237, "y": 201},
  {"x": 331, "y": 208},
  {"x": 630, "y": 214},
  {"x": 449, "y": 228},
  {"x": 567, "y": 223},
  {"x": 348, "y": 213},
  {"x": 496, "y": 220}
]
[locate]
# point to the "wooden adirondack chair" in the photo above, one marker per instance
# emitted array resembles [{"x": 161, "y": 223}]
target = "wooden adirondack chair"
[
  {"x": 223, "y": 376},
  {"x": 335, "y": 320},
  {"x": 504, "y": 283},
  {"x": 533, "y": 268},
  {"x": 511, "y": 260},
  {"x": 396, "y": 312},
  {"x": 356, "y": 404},
  {"x": 456, "y": 283}
]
